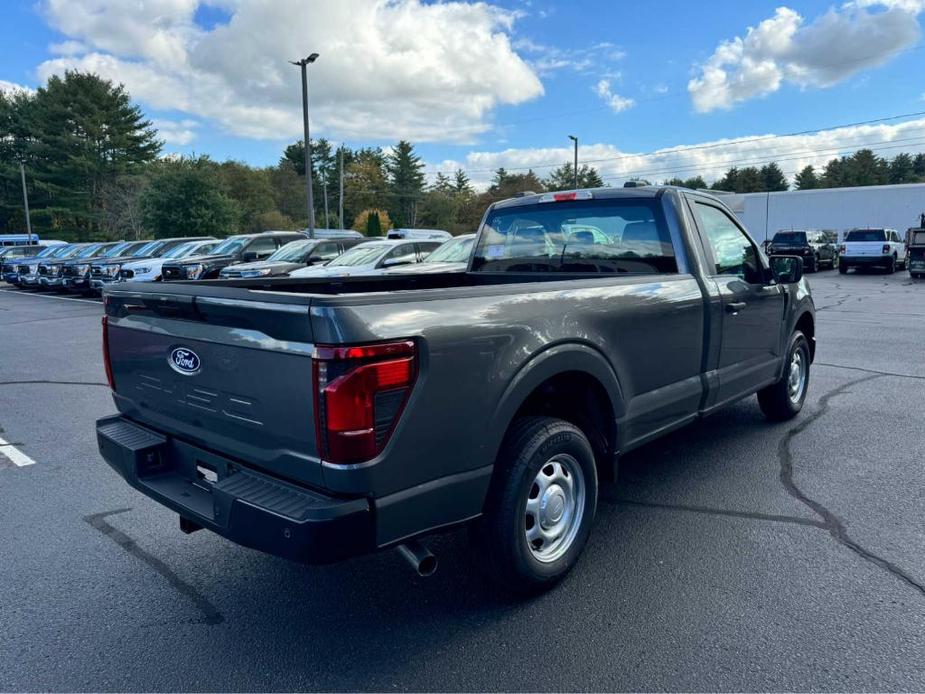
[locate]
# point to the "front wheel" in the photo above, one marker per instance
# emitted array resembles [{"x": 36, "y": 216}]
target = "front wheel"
[
  {"x": 540, "y": 507},
  {"x": 784, "y": 399},
  {"x": 842, "y": 269}
]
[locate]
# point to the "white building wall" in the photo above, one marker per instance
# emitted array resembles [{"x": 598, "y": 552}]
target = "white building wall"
[{"x": 836, "y": 209}]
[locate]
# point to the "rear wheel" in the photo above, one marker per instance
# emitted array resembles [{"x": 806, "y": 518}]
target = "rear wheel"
[
  {"x": 891, "y": 267},
  {"x": 540, "y": 507},
  {"x": 783, "y": 400},
  {"x": 842, "y": 269}
]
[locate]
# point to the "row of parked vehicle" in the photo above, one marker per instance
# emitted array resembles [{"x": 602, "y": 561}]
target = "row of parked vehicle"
[
  {"x": 882, "y": 248},
  {"x": 88, "y": 267}
]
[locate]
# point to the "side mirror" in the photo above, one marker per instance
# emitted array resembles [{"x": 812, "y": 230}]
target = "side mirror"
[
  {"x": 786, "y": 269},
  {"x": 249, "y": 256}
]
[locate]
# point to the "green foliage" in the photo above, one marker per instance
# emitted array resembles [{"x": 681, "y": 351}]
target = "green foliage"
[
  {"x": 372, "y": 222},
  {"x": 695, "y": 183},
  {"x": 807, "y": 179},
  {"x": 76, "y": 136},
  {"x": 186, "y": 198},
  {"x": 563, "y": 178},
  {"x": 406, "y": 183}
]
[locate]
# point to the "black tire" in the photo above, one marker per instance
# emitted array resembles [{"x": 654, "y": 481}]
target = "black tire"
[
  {"x": 777, "y": 400},
  {"x": 500, "y": 535},
  {"x": 891, "y": 267},
  {"x": 842, "y": 269}
]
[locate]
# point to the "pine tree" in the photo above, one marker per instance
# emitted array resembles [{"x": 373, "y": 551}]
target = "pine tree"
[
  {"x": 406, "y": 183},
  {"x": 773, "y": 178},
  {"x": 186, "y": 198},
  {"x": 902, "y": 169},
  {"x": 442, "y": 184},
  {"x": 563, "y": 178},
  {"x": 807, "y": 179},
  {"x": 461, "y": 183}
]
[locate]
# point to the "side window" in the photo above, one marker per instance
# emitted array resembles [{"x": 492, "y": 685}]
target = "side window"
[
  {"x": 262, "y": 246},
  {"x": 401, "y": 254},
  {"x": 425, "y": 249},
  {"x": 326, "y": 251},
  {"x": 733, "y": 251}
]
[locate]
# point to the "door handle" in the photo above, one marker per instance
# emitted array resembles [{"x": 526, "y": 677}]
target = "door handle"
[{"x": 734, "y": 307}]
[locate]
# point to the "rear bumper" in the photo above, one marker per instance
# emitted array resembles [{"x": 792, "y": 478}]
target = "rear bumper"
[
  {"x": 865, "y": 259},
  {"x": 247, "y": 507},
  {"x": 76, "y": 284}
]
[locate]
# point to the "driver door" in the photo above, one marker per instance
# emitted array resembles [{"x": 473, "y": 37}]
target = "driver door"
[{"x": 753, "y": 306}]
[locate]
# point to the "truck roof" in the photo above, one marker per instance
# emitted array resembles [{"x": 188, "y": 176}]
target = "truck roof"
[{"x": 598, "y": 194}]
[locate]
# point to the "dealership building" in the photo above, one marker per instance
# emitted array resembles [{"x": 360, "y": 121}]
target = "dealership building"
[{"x": 830, "y": 209}]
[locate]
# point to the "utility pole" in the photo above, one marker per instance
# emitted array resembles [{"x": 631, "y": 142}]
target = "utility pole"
[
  {"x": 575, "y": 140},
  {"x": 324, "y": 183},
  {"x": 340, "y": 204},
  {"x": 25, "y": 200},
  {"x": 304, "y": 63}
]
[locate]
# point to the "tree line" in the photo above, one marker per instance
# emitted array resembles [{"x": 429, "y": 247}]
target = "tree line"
[
  {"x": 95, "y": 169},
  {"x": 863, "y": 168}
]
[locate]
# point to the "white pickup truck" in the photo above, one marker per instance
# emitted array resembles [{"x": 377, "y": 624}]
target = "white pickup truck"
[{"x": 872, "y": 247}]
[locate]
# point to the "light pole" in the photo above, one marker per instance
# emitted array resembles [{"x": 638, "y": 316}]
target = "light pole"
[
  {"x": 304, "y": 63},
  {"x": 25, "y": 200},
  {"x": 575, "y": 140}
]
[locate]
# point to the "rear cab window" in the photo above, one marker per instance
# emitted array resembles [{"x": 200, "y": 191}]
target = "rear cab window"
[
  {"x": 790, "y": 238},
  {"x": 867, "y": 235},
  {"x": 612, "y": 236}
]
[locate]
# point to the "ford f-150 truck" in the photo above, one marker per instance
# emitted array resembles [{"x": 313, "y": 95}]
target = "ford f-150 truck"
[{"x": 318, "y": 419}]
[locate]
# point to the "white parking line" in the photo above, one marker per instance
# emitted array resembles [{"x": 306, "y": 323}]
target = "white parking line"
[
  {"x": 15, "y": 456},
  {"x": 50, "y": 296}
]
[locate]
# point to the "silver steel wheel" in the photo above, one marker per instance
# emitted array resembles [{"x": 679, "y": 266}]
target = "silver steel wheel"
[
  {"x": 555, "y": 508},
  {"x": 796, "y": 379}
]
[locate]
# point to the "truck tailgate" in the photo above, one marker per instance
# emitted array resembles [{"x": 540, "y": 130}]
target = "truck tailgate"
[
  {"x": 864, "y": 248},
  {"x": 233, "y": 376}
]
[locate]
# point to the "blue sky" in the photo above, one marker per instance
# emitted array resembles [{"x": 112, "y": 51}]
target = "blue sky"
[{"x": 483, "y": 86}]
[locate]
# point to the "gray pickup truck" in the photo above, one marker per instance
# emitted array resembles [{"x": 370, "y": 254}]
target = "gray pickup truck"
[{"x": 318, "y": 419}]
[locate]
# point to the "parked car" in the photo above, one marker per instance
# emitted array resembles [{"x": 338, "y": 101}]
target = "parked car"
[
  {"x": 872, "y": 248},
  {"x": 332, "y": 234},
  {"x": 242, "y": 248},
  {"x": 28, "y": 276},
  {"x": 371, "y": 257},
  {"x": 102, "y": 274},
  {"x": 319, "y": 420},
  {"x": 9, "y": 267},
  {"x": 419, "y": 234},
  {"x": 292, "y": 256},
  {"x": 450, "y": 256},
  {"x": 75, "y": 273},
  {"x": 51, "y": 272},
  {"x": 11, "y": 252},
  {"x": 915, "y": 258},
  {"x": 151, "y": 269},
  {"x": 814, "y": 247}
]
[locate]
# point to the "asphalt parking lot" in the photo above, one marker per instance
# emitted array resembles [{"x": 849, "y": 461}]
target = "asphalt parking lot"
[{"x": 732, "y": 555}]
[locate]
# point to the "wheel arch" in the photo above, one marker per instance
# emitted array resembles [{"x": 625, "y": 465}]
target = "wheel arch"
[{"x": 571, "y": 381}]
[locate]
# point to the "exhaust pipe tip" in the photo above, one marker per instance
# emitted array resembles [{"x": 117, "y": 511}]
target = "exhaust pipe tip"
[{"x": 420, "y": 558}]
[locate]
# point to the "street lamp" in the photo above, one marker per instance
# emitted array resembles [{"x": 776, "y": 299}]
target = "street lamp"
[
  {"x": 304, "y": 63},
  {"x": 575, "y": 140}
]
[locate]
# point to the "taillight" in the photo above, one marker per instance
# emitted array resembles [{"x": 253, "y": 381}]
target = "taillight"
[
  {"x": 107, "y": 363},
  {"x": 841, "y": 248},
  {"x": 886, "y": 249},
  {"x": 360, "y": 393}
]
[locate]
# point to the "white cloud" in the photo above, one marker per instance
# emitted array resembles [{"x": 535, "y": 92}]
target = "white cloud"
[
  {"x": 10, "y": 87},
  {"x": 68, "y": 48},
  {"x": 616, "y": 102},
  {"x": 387, "y": 69},
  {"x": 173, "y": 132},
  {"x": 546, "y": 59},
  {"x": 844, "y": 41},
  {"x": 709, "y": 159}
]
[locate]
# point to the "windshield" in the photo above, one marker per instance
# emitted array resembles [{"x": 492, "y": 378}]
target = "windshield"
[
  {"x": 585, "y": 236},
  {"x": 68, "y": 252},
  {"x": 115, "y": 251},
  {"x": 866, "y": 235},
  {"x": 454, "y": 251},
  {"x": 181, "y": 250},
  {"x": 50, "y": 251},
  {"x": 88, "y": 251},
  {"x": 229, "y": 246},
  {"x": 790, "y": 238},
  {"x": 294, "y": 252},
  {"x": 150, "y": 248},
  {"x": 362, "y": 255}
]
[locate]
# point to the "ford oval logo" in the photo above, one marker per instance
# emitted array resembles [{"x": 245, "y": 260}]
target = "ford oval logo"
[{"x": 185, "y": 361}]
